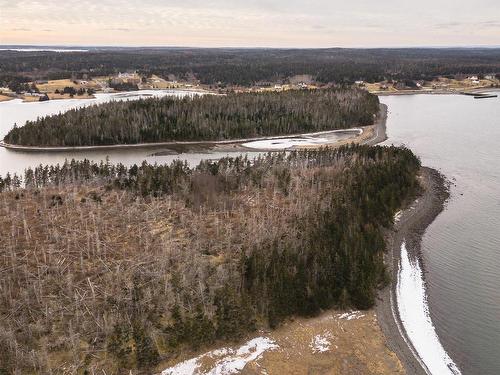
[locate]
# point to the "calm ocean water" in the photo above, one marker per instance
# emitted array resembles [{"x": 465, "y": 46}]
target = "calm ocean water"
[{"x": 460, "y": 136}]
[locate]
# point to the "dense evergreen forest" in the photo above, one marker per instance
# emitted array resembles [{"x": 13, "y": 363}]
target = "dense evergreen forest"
[
  {"x": 111, "y": 268},
  {"x": 252, "y": 66},
  {"x": 202, "y": 118}
]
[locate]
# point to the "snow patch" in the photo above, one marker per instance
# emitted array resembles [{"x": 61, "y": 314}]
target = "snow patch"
[
  {"x": 397, "y": 216},
  {"x": 285, "y": 143},
  {"x": 351, "y": 315},
  {"x": 220, "y": 352},
  {"x": 414, "y": 314},
  {"x": 227, "y": 361},
  {"x": 321, "y": 343},
  {"x": 184, "y": 368},
  {"x": 252, "y": 350}
]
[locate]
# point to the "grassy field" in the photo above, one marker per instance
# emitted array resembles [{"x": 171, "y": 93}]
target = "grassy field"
[
  {"x": 320, "y": 345},
  {"x": 5, "y": 98},
  {"x": 29, "y": 98},
  {"x": 60, "y": 84},
  {"x": 53, "y": 96}
]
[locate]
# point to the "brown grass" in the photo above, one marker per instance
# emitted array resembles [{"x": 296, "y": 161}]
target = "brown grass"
[
  {"x": 356, "y": 347},
  {"x": 29, "y": 98},
  {"x": 60, "y": 84},
  {"x": 53, "y": 96},
  {"x": 5, "y": 98}
]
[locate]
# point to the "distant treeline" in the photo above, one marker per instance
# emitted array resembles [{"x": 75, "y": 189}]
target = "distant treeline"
[
  {"x": 252, "y": 66},
  {"x": 113, "y": 268},
  {"x": 203, "y": 118}
]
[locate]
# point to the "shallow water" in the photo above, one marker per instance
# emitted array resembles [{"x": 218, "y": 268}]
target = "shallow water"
[
  {"x": 460, "y": 137},
  {"x": 15, "y": 111}
]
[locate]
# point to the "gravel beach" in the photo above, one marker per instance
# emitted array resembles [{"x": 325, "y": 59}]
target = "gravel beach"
[{"x": 410, "y": 227}]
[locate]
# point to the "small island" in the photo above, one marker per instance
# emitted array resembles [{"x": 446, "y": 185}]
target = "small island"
[{"x": 201, "y": 118}]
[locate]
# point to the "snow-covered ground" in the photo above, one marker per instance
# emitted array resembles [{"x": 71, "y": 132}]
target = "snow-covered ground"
[
  {"x": 414, "y": 314},
  {"x": 225, "y": 361},
  {"x": 351, "y": 315},
  {"x": 397, "y": 216},
  {"x": 285, "y": 143},
  {"x": 321, "y": 343},
  {"x": 310, "y": 139}
]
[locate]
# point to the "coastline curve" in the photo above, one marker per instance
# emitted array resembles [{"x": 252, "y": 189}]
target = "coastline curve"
[{"x": 409, "y": 227}]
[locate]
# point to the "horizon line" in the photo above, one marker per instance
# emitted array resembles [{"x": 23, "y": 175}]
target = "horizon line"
[{"x": 36, "y": 45}]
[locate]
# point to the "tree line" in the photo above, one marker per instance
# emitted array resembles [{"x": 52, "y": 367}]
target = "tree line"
[
  {"x": 114, "y": 268},
  {"x": 201, "y": 118},
  {"x": 249, "y": 67}
]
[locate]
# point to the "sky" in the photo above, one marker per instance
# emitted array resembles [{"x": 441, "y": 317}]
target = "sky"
[{"x": 251, "y": 23}]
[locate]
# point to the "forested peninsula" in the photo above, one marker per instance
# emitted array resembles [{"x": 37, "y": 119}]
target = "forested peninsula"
[
  {"x": 117, "y": 268},
  {"x": 201, "y": 118}
]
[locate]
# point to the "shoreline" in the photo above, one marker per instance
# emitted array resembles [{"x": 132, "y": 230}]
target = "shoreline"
[
  {"x": 412, "y": 223},
  {"x": 475, "y": 90},
  {"x": 229, "y": 142},
  {"x": 27, "y": 99},
  {"x": 380, "y": 127}
]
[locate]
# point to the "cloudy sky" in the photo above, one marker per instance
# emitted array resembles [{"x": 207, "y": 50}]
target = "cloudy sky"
[{"x": 251, "y": 23}]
